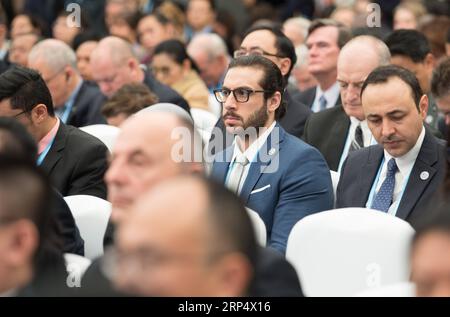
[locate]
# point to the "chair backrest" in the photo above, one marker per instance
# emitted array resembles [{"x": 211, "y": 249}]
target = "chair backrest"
[
  {"x": 334, "y": 180},
  {"x": 76, "y": 265},
  {"x": 404, "y": 289},
  {"x": 258, "y": 226},
  {"x": 343, "y": 251},
  {"x": 204, "y": 122},
  {"x": 105, "y": 133},
  {"x": 91, "y": 217}
]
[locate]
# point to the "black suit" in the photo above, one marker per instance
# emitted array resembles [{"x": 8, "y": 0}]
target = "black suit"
[
  {"x": 307, "y": 97},
  {"x": 86, "y": 109},
  {"x": 72, "y": 241},
  {"x": 274, "y": 276},
  {"x": 296, "y": 115},
  {"x": 361, "y": 167},
  {"x": 165, "y": 93},
  {"x": 76, "y": 163},
  {"x": 327, "y": 131}
]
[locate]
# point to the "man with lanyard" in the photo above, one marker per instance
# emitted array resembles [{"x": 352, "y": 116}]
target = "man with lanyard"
[
  {"x": 400, "y": 174},
  {"x": 77, "y": 102},
  {"x": 74, "y": 160}
]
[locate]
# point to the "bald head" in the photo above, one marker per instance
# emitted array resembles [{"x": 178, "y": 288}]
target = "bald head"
[
  {"x": 151, "y": 147},
  {"x": 205, "y": 242},
  {"x": 113, "y": 65},
  {"x": 356, "y": 61}
]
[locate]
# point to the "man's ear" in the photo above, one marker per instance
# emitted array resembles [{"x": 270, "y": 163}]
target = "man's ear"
[
  {"x": 234, "y": 274},
  {"x": 39, "y": 113},
  {"x": 274, "y": 102},
  {"x": 285, "y": 65},
  {"x": 423, "y": 106},
  {"x": 23, "y": 242},
  {"x": 430, "y": 61}
]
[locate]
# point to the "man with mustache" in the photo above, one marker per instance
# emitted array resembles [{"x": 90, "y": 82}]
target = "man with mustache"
[
  {"x": 279, "y": 176},
  {"x": 400, "y": 174}
]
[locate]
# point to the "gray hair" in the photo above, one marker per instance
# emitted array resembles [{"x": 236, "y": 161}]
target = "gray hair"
[
  {"x": 55, "y": 53},
  {"x": 381, "y": 49},
  {"x": 302, "y": 25},
  {"x": 210, "y": 43}
]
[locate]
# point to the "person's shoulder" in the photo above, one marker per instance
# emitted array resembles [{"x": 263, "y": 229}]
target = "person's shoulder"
[{"x": 81, "y": 139}]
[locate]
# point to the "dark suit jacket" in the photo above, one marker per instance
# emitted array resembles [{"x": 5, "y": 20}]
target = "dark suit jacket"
[
  {"x": 327, "y": 131},
  {"x": 72, "y": 241},
  {"x": 76, "y": 163},
  {"x": 296, "y": 115},
  {"x": 361, "y": 167},
  {"x": 307, "y": 97},
  {"x": 288, "y": 181},
  {"x": 274, "y": 276},
  {"x": 165, "y": 93},
  {"x": 87, "y": 106}
]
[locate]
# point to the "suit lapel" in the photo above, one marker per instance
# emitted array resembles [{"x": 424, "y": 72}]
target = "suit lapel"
[
  {"x": 267, "y": 153},
  {"x": 339, "y": 136},
  {"x": 416, "y": 185},
  {"x": 55, "y": 152},
  {"x": 221, "y": 164},
  {"x": 368, "y": 174}
]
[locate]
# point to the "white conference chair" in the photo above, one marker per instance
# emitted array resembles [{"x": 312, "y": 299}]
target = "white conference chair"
[
  {"x": 91, "y": 216},
  {"x": 403, "y": 289},
  {"x": 335, "y": 181},
  {"x": 105, "y": 133},
  {"x": 204, "y": 122},
  {"x": 343, "y": 251},
  {"x": 76, "y": 265},
  {"x": 258, "y": 226}
]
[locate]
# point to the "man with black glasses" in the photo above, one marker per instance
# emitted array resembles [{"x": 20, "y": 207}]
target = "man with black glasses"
[{"x": 279, "y": 176}]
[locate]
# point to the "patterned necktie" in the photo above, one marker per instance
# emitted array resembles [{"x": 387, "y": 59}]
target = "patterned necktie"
[
  {"x": 357, "y": 141},
  {"x": 383, "y": 199},
  {"x": 235, "y": 178},
  {"x": 322, "y": 103}
]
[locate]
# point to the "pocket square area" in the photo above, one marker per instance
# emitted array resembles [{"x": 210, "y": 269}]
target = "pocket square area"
[{"x": 260, "y": 189}]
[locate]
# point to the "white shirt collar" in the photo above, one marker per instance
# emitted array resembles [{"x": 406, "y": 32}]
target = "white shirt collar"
[
  {"x": 331, "y": 94},
  {"x": 256, "y": 145},
  {"x": 406, "y": 162}
]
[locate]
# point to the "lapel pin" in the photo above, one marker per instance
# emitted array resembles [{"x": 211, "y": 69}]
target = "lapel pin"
[
  {"x": 272, "y": 151},
  {"x": 424, "y": 175}
]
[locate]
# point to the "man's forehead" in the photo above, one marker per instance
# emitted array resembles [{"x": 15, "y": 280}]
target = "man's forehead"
[
  {"x": 244, "y": 75},
  {"x": 259, "y": 38}
]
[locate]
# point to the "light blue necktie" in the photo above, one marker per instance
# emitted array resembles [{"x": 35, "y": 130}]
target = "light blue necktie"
[
  {"x": 384, "y": 197},
  {"x": 322, "y": 103}
]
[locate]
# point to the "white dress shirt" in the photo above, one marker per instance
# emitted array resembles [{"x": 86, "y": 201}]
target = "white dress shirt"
[
  {"x": 368, "y": 138},
  {"x": 331, "y": 96},
  {"x": 405, "y": 165},
  {"x": 250, "y": 153}
]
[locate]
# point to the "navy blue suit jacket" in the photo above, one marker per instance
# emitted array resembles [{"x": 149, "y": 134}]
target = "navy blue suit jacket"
[
  {"x": 299, "y": 184},
  {"x": 361, "y": 167}
]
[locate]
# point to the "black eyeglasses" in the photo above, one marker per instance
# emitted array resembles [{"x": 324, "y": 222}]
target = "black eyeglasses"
[
  {"x": 20, "y": 113},
  {"x": 240, "y": 94},
  {"x": 253, "y": 51}
]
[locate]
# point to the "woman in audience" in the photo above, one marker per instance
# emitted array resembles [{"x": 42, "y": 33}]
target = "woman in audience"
[
  {"x": 25, "y": 24},
  {"x": 166, "y": 22},
  {"x": 172, "y": 66}
]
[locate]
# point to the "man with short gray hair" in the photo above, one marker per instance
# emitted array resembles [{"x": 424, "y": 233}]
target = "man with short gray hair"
[{"x": 76, "y": 101}]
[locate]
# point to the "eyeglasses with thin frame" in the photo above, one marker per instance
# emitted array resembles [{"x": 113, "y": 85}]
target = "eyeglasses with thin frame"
[
  {"x": 240, "y": 94},
  {"x": 20, "y": 113},
  {"x": 254, "y": 51}
]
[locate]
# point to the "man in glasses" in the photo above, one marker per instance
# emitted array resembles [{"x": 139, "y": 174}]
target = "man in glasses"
[
  {"x": 279, "y": 176},
  {"x": 74, "y": 160}
]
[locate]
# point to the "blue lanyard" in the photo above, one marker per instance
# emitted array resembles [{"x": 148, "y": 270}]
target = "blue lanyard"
[
  {"x": 374, "y": 186},
  {"x": 44, "y": 153}
]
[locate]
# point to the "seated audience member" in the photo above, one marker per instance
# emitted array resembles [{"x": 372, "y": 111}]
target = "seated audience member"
[
  {"x": 31, "y": 259},
  {"x": 440, "y": 89},
  {"x": 410, "y": 49},
  {"x": 74, "y": 160},
  {"x": 200, "y": 17},
  {"x": 172, "y": 66},
  {"x": 83, "y": 53},
  {"x": 25, "y": 24},
  {"x": 407, "y": 15},
  {"x": 66, "y": 32},
  {"x": 401, "y": 173},
  {"x": 76, "y": 102},
  {"x": 113, "y": 65},
  {"x": 21, "y": 46},
  {"x": 128, "y": 100},
  {"x": 342, "y": 129},
  {"x": 15, "y": 142},
  {"x": 430, "y": 258},
  {"x": 200, "y": 248},
  {"x": 276, "y": 174},
  {"x": 142, "y": 159}
]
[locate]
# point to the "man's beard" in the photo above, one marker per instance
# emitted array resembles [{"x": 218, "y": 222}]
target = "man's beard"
[{"x": 255, "y": 121}]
